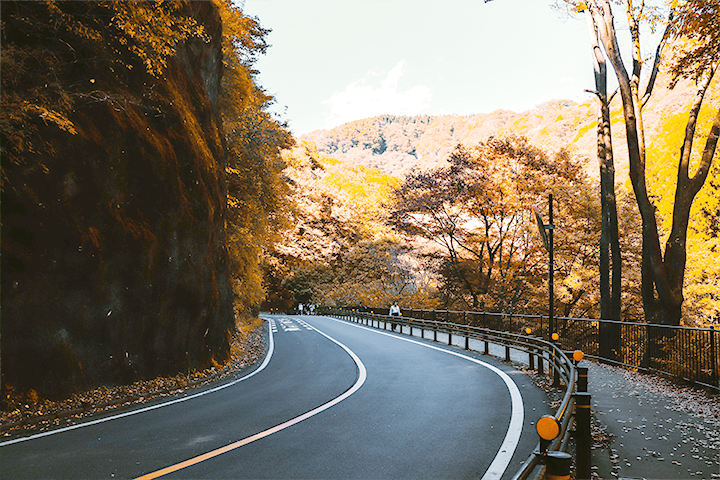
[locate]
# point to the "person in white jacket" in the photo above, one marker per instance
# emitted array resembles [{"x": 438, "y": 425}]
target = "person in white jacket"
[{"x": 394, "y": 312}]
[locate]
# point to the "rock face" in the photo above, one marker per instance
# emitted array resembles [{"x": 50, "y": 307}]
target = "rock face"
[{"x": 114, "y": 258}]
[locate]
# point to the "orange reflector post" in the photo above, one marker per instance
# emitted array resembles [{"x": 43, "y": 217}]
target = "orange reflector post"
[
  {"x": 578, "y": 355},
  {"x": 548, "y": 427}
]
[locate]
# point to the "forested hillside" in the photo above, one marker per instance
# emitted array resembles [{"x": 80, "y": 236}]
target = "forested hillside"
[
  {"x": 396, "y": 144},
  {"x": 422, "y": 149}
]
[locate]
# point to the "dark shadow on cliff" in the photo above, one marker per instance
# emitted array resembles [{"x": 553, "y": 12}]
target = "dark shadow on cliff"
[{"x": 114, "y": 258}]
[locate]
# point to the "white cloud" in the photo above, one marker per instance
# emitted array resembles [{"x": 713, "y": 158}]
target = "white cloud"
[{"x": 360, "y": 100}]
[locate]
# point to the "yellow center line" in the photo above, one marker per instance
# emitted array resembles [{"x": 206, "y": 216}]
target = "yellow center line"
[{"x": 214, "y": 453}]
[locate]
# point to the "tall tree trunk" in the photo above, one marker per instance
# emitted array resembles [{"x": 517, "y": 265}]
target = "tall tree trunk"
[
  {"x": 652, "y": 265},
  {"x": 662, "y": 278},
  {"x": 686, "y": 190},
  {"x": 610, "y": 257}
]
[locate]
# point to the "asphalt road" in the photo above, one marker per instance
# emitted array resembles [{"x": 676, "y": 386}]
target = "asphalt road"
[{"x": 331, "y": 400}]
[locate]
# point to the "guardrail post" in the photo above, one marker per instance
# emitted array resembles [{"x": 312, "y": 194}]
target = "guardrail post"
[
  {"x": 487, "y": 346},
  {"x": 507, "y": 353},
  {"x": 541, "y": 363},
  {"x": 558, "y": 465},
  {"x": 449, "y": 337},
  {"x": 435, "y": 333},
  {"x": 554, "y": 366},
  {"x": 531, "y": 359},
  {"x": 582, "y": 382},
  {"x": 583, "y": 435},
  {"x": 714, "y": 359},
  {"x": 467, "y": 343}
]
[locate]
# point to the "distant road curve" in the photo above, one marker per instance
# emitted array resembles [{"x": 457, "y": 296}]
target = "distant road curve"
[{"x": 331, "y": 400}]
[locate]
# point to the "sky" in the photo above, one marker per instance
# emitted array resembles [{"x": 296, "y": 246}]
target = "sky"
[{"x": 334, "y": 61}]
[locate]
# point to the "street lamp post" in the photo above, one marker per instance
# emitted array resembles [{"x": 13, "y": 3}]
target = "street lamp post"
[
  {"x": 547, "y": 238},
  {"x": 551, "y": 268}
]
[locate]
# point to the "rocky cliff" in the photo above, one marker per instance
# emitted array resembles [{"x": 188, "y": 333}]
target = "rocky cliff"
[{"x": 114, "y": 258}]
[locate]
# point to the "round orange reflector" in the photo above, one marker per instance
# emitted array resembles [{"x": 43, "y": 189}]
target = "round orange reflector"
[
  {"x": 548, "y": 427},
  {"x": 578, "y": 355},
  {"x": 555, "y": 336},
  {"x": 528, "y": 331}
]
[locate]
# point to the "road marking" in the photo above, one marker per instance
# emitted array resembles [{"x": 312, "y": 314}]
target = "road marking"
[
  {"x": 362, "y": 375},
  {"x": 262, "y": 366},
  {"x": 512, "y": 437},
  {"x": 306, "y": 325},
  {"x": 288, "y": 325}
]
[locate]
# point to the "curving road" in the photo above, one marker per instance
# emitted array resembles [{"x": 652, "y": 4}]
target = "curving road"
[{"x": 331, "y": 400}]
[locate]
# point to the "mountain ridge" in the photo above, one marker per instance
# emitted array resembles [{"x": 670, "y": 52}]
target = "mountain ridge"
[{"x": 397, "y": 144}]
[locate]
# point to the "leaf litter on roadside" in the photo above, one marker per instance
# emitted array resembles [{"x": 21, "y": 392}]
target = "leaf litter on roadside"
[{"x": 23, "y": 410}]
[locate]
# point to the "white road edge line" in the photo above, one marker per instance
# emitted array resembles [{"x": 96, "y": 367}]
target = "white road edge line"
[
  {"x": 362, "y": 375},
  {"x": 262, "y": 366},
  {"x": 517, "y": 416}
]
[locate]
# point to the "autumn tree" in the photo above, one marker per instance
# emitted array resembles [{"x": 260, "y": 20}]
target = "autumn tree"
[
  {"x": 373, "y": 273},
  {"x": 338, "y": 249},
  {"x": 257, "y": 191},
  {"x": 475, "y": 212},
  {"x": 692, "y": 24}
]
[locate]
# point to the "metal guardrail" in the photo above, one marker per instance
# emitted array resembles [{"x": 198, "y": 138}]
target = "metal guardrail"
[
  {"x": 540, "y": 353},
  {"x": 687, "y": 353}
]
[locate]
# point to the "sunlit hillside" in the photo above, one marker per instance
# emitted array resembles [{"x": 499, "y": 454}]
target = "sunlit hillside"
[
  {"x": 397, "y": 144},
  {"x": 400, "y": 145}
]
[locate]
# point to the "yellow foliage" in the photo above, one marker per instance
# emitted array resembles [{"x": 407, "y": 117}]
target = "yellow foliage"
[
  {"x": 663, "y": 157},
  {"x": 583, "y": 130},
  {"x": 153, "y": 30},
  {"x": 33, "y": 396},
  {"x": 52, "y": 116},
  {"x": 702, "y": 302},
  {"x": 256, "y": 191}
]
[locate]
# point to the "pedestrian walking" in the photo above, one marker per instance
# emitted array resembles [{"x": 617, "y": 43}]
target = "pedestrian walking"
[{"x": 394, "y": 312}]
